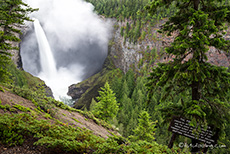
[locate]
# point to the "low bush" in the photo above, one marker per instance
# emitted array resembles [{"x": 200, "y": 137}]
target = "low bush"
[{"x": 15, "y": 127}]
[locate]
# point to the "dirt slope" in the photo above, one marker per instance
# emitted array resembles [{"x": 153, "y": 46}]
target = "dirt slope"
[{"x": 68, "y": 117}]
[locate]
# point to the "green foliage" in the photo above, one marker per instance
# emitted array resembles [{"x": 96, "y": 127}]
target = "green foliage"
[
  {"x": 200, "y": 25},
  {"x": 92, "y": 105},
  {"x": 107, "y": 107},
  {"x": 68, "y": 138},
  {"x": 22, "y": 79},
  {"x": 7, "y": 107},
  {"x": 94, "y": 83},
  {"x": 148, "y": 148},
  {"x": 64, "y": 138},
  {"x": 112, "y": 145},
  {"x": 130, "y": 107},
  {"x": 38, "y": 96},
  {"x": 1, "y": 89},
  {"x": 4, "y": 60},
  {"x": 24, "y": 92},
  {"x": 132, "y": 12},
  {"x": 2, "y": 106},
  {"x": 12, "y": 14},
  {"x": 10, "y": 137},
  {"x": 145, "y": 130},
  {"x": 131, "y": 95},
  {"x": 61, "y": 105},
  {"x": 22, "y": 108},
  {"x": 118, "y": 144}
]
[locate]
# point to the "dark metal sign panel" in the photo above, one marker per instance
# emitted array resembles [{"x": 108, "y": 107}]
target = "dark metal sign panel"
[{"x": 181, "y": 126}]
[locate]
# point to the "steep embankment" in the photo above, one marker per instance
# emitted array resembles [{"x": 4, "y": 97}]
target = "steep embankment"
[
  {"x": 12, "y": 105},
  {"x": 84, "y": 91}
]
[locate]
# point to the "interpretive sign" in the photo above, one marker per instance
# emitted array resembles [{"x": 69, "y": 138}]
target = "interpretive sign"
[{"x": 181, "y": 126}]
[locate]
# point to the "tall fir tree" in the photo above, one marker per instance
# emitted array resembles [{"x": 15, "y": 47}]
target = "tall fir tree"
[
  {"x": 13, "y": 13},
  {"x": 199, "y": 24},
  {"x": 145, "y": 130},
  {"x": 107, "y": 107}
]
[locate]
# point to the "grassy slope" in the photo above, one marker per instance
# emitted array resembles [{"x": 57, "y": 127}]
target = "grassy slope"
[
  {"x": 12, "y": 105},
  {"x": 28, "y": 115},
  {"x": 31, "y": 122},
  {"x": 27, "y": 126}
]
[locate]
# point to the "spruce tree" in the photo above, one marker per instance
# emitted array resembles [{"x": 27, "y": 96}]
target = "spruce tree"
[
  {"x": 107, "y": 107},
  {"x": 130, "y": 79},
  {"x": 199, "y": 24},
  {"x": 13, "y": 13},
  {"x": 145, "y": 130},
  {"x": 125, "y": 113}
]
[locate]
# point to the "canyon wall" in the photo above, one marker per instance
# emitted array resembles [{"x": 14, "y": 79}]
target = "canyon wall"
[{"x": 123, "y": 54}]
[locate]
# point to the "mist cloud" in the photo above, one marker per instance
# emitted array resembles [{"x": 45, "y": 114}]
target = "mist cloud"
[{"x": 78, "y": 37}]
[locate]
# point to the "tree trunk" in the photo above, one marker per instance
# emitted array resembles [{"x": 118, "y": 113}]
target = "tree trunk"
[
  {"x": 195, "y": 90},
  {"x": 196, "y": 4},
  {"x": 172, "y": 140}
]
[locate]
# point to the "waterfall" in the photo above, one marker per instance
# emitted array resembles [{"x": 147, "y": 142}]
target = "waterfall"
[
  {"x": 57, "y": 79},
  {"x": 77, "y": 36},
  {"x": 47, "y": 61}
]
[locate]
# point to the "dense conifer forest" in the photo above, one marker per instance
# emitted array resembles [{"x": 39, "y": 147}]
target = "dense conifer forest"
[
  {"x": 129, "y": 89},
  {"x": 140, "y": 103},
  {"x": 131, "y": 12}
]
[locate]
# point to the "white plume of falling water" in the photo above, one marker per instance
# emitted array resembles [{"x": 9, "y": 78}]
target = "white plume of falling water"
[
  {"x": 78, "y": 39},
  {"x": 59, "y": 80},
  {"x": 47, "y": 61}
]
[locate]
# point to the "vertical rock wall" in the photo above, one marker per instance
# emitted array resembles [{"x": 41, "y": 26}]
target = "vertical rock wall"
[{"x": 124, "y": 54}]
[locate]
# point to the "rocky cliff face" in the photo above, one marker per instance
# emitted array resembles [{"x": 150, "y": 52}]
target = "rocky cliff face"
[
  {"x": 16, "y": 58},
  {"x": 123, "y": 54},
  {"x": 84, "y": 91}
]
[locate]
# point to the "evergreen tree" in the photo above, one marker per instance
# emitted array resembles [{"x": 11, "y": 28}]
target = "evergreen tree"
[
  {"x": 145, "y": 129},
  {"x": 199, "y": 25},
  {"x": 125, "y": 89},
  {"x": 116, "y": 86},
  {"x": 13, "y": 13},
  {"x": 130, "y": 79},
  {"x": 124, "y": 115},
  {"x": 92, "y": 104},
  {"x": 107, "y": 107}
]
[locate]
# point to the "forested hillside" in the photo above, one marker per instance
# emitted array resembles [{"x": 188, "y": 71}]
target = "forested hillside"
[
  {"x": 132, "y": 12},
  {"x": 126, "y": 111},
  {"x": 32, "y": 121},
  {"x": 129, "y": 88}
]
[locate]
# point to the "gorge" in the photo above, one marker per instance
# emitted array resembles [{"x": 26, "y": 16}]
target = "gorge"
[
  {"x": 107, "y": 57},
  {"x": 78, "y": 40}
]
